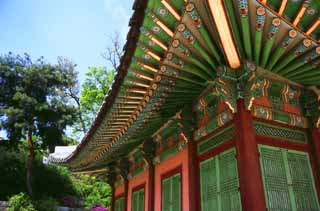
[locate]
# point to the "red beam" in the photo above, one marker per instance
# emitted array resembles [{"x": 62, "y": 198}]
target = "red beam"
[
  {"x": 314, "y": 151},
  {"x": 194, "y": 176},
  {"x": 126, "y": 194},
  {"x": 282, "y": 143},
  {"x": 151, "y": 193},
  {"x": 251, "y": 186},
  {"x": 112, "y": 197}
]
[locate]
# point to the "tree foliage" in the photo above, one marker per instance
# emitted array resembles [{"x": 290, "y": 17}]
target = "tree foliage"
[
  {"x": 48, "y": 181},
  {"x": 33, "y": 97},
  {"x": 94, "y": 89},
  {"x": 92, "y": 190},
  {"x": 34, "y": 104}
]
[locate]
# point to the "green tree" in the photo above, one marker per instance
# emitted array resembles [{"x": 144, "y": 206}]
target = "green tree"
[
  {"x": 94, "y": 89},
  {"x": 34, "y": 104},
  {"x": 92, "y": 190}
]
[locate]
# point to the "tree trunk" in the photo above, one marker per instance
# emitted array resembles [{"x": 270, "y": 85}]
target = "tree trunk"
[
  {"x": 83, "y": 124},
  {"x": 30, "y": 163},
  {"x": 84, "y": 129}
]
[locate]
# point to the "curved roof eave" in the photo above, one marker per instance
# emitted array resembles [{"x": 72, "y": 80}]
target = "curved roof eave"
[{"x": 135, "y": 23}]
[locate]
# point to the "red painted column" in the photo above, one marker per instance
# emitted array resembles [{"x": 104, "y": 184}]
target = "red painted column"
[
  {"x": 194, "y": 182},
  {"x": 151, "y": 187},
  {"x": 314, "y": 148},
  {"x": 126, "y": 194},
  {"x": 112, "y": 197},
  {"x": 251, "y": 186},
  {"x": 315, "y": 142}
]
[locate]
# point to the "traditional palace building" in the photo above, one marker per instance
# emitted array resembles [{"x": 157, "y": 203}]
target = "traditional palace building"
[{"x": 215, "y": 106}]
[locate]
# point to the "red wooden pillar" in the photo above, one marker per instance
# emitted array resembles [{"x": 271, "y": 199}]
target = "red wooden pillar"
[
  {"x": 194, "y": 182},
  {"x": 314, "y": 148},
  {"x": 151, "y": 187},
  {"x": 126, "y": 183},
  {"x": 315, "y": 142},
  {"x": 251, "y": 185},
  {"x": 112, "y": 197}
]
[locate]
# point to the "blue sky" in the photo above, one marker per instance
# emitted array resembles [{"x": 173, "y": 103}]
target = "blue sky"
[{"x": 77, "y": 29}]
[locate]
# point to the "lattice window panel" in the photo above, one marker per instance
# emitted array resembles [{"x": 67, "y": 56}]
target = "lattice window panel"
[
  {"x": 220, "y": 183},
  {"x": 288, "y": 180},
  {"x": 138, "y": 200},
  {"x": 119, "y": 204},
  {"x": 171, "y": 193},
  {"x": 280, "y": 132}
]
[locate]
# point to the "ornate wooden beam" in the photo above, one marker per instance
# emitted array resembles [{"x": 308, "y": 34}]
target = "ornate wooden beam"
[{"x": 220, "y": 18}]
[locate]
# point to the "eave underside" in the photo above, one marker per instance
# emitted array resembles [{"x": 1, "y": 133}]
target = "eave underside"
[{"x": 175, "y": 49}]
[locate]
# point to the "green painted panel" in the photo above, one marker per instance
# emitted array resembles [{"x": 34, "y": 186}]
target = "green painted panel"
[
  {"x": 310, "y": 16},
  {"x": 208, "y": 185},
  {"x": 155, "y": 29},
  {"x": 302, "y": 181},
  {"x": 171, "y": 193},
  {"x": 220, "y": 183},
  {"x": 316, "y": 33},
  {"x": 229, "y": 182},
  {"x": 135, "y": 202},
  {"x": 218, "y": 139},
  {"x": 119, "y": 204},
  {"x": 176, "y": 193},
  {"x": 162, "y": 13},
  {"x": 178, "y": 5},
  {"x": 151, "y": 45},
  {"x": 288, "y": 180},
  {"x": 169, "y": 152},
  {"x": 138, "y": 200},
  {"x": 292, "y": 9},
  {"x": 274, "y": 4},
  {"x": 264, "y": 129},
  {"x": 274, "y": 179},
  {"x": 141, "y": 200}
]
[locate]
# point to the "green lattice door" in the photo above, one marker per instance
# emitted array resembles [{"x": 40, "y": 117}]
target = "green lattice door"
[
  {"x": 171, "y": 193},
  {"x": 119, "y": 204},
  {"x": 220, "y": 183},
  {"x": 138, "y": 200},
  {"x": 288, "y": 180}
]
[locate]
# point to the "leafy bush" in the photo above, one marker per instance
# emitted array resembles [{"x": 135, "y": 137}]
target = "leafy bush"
[
  {"x": 57, "y": 182},
  {"x": 13, "y": 174},
  {"x": 48, "y": 181},
  {"x": 92, "y": 190},
  {"x": 20, "y": 202},
  {"x": 51, "y": 182},
  {"x": 47, "y": 204}
]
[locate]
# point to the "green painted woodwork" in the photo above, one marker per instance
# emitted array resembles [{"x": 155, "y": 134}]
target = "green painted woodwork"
[
  {"x": 278, "y": 53},
  {"x": 280, "y": 133},
  {"x": 119, "y": 204},
  {"x": 274, "y": 27},
  {"x": 216, "y": 122},
  {"x": 181, "y": 64},
  {"x": 220, "y": 183},
  {"x": 235, "y": 27},
  {"x": 274, "y": 4},
  {"x": 216, "y": 140},
  {"x": 292, "y": 9},
  {"x": 288, "y": 180},
  {"x": 137, "y": 203},
  {"x": 279, "y": 116},
  {"x": 245, "y": 27},
  {"x": 310, "y": 16},
  {"x": 169, "y": 152},
  {"x": 171, "y": 193}
]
